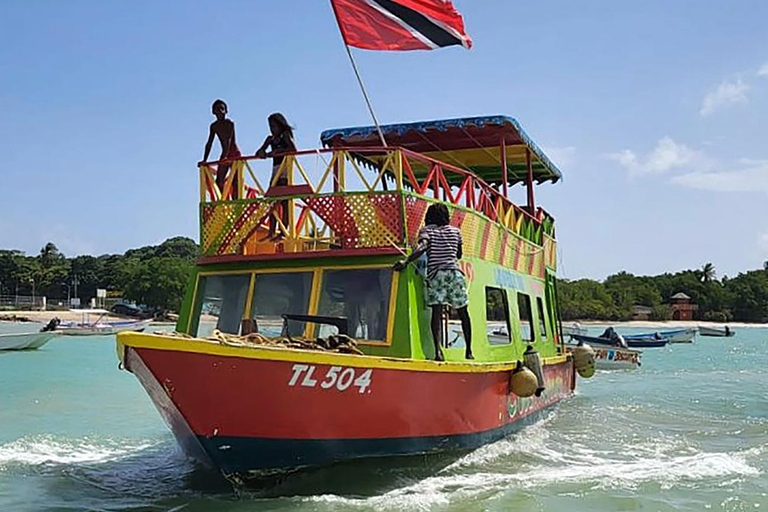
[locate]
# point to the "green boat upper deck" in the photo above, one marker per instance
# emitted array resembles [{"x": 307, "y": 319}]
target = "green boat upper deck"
[{"x": 351, "y": 209}]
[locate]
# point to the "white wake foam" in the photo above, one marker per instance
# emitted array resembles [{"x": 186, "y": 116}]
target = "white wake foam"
[
  {"x": 592, "y": 469},
  {"x": 47, "y": 449}
]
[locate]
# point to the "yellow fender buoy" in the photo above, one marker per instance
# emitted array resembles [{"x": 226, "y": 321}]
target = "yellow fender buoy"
[
  {"x": 523, "y": 382},
  {"x": 584, "y": 360}
]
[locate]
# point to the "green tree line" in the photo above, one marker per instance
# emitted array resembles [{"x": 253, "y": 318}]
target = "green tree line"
[
  {"x": 152, "y": 275},
  {"x": 743, "y": 298}
]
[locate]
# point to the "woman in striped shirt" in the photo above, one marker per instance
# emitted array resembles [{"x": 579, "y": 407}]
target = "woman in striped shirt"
[{"x": 445, "y": 284}]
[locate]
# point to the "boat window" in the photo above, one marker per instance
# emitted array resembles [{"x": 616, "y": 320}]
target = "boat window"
[
  {"x": 542, "y": 318},
  {"x": 526, "y": 320},
  {"x": 362, "y": 296},
  {"x": 277, "y": 294},
  {"x": 497, "y": 316},
  {"x": 220, "y": 303}
]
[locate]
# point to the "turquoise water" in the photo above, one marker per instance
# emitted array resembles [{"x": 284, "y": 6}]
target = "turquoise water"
[{"x": 687, "y": 431}]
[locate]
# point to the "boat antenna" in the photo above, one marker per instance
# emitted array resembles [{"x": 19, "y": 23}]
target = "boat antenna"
[{"x": 360, "y": 80}]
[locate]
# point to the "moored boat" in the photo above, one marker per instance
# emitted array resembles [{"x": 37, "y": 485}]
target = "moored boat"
[
  {"x": 615, "y": 358},
  {"x": 574, "y": 328},
  {"x": 253, "y": 386},
  {"x": 88, "y": 326},
  {"x": 26, "y": 341},
  {"x": 673, "y": 336},
  {"x": 724, "y": 332},
  {"x": 630, "y": 343}
]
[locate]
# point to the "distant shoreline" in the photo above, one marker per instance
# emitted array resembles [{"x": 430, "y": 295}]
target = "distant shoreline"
[
  {"x": 669, "y": 324},
  {"x": 44, "y": 317}
]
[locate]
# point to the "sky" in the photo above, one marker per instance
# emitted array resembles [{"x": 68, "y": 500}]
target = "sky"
[{"x": 656, "y": 112}]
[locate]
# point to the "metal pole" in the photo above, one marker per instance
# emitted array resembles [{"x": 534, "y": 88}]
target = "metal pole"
[{"x": 365, "y": 95}]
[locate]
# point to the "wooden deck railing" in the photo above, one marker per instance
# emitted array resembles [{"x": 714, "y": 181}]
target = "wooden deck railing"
[{"x": 353, "y": 198}]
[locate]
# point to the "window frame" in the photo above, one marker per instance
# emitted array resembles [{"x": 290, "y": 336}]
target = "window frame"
[
  {"x": 196, "y": 309},
  {"x": 542, "y": 323},
  {"x": 314, "y": 296},
  {"x": 531, "y": 326},
  {"x": 508, "y": 319},
  {"x": 392, "y": 300}
]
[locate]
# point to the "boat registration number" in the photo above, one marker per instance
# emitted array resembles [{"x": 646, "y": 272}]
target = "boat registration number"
[{"x": 336, "y": 377}]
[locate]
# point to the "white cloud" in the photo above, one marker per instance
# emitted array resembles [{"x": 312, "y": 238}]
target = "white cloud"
[
  {"x": 749, "y": 176},
  {"x": 668, "y": 155},
  {"x": 561, "y": 156},
  {"x": 763, "y": 71},
  {"x": 727, "y": 94}
]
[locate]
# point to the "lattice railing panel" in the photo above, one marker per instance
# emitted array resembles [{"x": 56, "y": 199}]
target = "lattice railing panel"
[
  {"x": 362, "y": 221},
  {"x": 226, "y": 226}
]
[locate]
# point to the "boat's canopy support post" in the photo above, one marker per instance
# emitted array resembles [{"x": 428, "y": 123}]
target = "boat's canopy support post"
[
  {"x": 504, "y": 180},
  {"x": 529, "y": 182}
]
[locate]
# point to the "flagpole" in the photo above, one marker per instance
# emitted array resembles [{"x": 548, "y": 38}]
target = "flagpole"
[
  {"x": 365, "y": 95},
  {"x": 359, "y": 78}
]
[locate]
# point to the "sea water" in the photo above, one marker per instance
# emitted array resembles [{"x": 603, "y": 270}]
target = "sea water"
[{"x": 686, "y": 431}]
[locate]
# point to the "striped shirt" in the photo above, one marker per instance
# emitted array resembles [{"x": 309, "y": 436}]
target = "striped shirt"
[{"x": 443, "y": 246}]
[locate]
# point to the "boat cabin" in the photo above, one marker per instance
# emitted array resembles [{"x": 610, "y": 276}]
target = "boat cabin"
[{"x": 350, "y": 210}]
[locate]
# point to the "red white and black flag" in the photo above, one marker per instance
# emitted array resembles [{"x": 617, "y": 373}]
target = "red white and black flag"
[{"x": 400, "y": 24}]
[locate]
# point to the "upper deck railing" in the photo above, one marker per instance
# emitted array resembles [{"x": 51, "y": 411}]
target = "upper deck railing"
[{"x": 362, "y": 198}]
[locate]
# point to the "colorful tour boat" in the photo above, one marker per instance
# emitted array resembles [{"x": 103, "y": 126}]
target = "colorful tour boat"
[{"x": 254, "y": 409}]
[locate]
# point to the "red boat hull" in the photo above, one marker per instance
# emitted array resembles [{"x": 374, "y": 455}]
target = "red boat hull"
[{"x": 270, "y": 411}]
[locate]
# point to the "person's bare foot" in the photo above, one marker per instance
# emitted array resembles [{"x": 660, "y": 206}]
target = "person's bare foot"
[
  {"x": 468, "y": 355},
  {"x": 439, "y": 356}
]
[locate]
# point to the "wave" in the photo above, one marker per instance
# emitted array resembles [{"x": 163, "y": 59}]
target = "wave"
[
  {"x": 46, "y": 449},
  {"x": 532, "y": 461}
]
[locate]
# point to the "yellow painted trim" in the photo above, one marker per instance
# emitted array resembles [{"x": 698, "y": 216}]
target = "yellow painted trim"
[
  {"x": 223, "y": 272},
  {"x": 327, "y": 172},
  {"x": 193, "y": 305},
  {"x": 392, "y": 305},
  {"x": 249, "y": 297},
  {"x": 202, "y": 183},
  {"x": 209, "y": 347},
  {"x": 314, "y": 297}
]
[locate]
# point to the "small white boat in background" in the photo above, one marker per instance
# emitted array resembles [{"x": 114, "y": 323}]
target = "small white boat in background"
[
  {"x": 673, "y": 336},
  {"x": 680, "y": 335},
  {"x": 99, "y": 327},
  {"x": 574, "y": 329},
  {"x": 724, "y": 332},
  {"x": 26, "y": 341},
  {"x": 615, "y": 358}
]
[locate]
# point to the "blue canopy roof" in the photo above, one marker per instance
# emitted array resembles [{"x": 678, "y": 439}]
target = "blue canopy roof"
[{"x": 472, "y": 143}]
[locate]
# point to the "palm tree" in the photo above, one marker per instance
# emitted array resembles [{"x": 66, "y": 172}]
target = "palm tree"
[{"x": 708, "y": 272}]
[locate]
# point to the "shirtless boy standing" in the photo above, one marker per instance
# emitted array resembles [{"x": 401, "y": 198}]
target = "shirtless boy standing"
[{"x": 224, "y": 130}]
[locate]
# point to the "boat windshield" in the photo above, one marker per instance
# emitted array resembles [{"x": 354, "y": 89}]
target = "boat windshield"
[
  {"x": 277, "y": 294},
  {"x": 360, "y": 295},
  {"x": 221, "y": 303}
]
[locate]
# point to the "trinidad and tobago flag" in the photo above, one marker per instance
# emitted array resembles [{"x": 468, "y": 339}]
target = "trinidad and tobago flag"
[{"x": 400, "y": 24}]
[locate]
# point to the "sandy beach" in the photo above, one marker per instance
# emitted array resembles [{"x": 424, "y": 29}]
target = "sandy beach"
[
  {"x": 67, "y": 316},
  {"x": 44, "y": 317}
]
